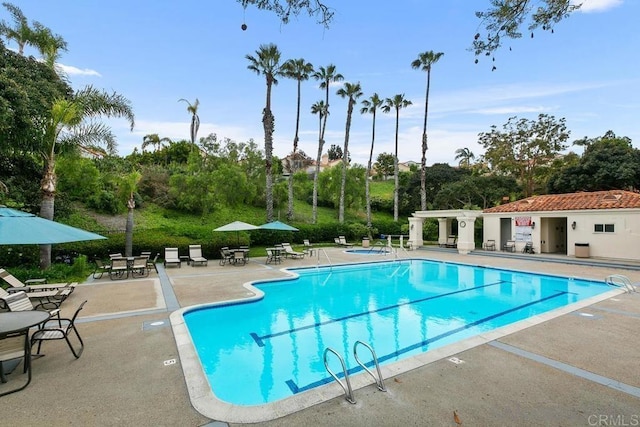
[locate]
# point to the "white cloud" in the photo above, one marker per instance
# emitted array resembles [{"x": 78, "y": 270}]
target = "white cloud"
[
  {"x": 75, "y": 71},
  {"x": 589, "y": 6},
  {"x": 512, "y": 110}
]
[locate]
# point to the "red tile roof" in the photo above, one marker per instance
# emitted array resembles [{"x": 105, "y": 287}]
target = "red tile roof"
[{"x": 611, "y": 199}]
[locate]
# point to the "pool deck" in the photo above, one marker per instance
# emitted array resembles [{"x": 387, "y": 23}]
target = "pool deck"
[{"x": 570, "y": 370}]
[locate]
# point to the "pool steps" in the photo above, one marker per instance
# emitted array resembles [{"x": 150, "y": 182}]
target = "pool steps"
[{"x": 348, "y": 391}]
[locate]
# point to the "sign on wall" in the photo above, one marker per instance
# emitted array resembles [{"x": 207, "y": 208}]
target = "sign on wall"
[{"x": 524, "y": 228}]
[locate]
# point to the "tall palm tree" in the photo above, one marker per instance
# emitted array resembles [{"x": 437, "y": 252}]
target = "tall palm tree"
[
  {"x": 48, "y": 44},
  {"x": 129, "y": 187},
  {"x": 370, "y": 106},
  {"x": 72, "y": 125},
  {"x": 267, "y": 63},
  {"x": 396, "y": 103},
  {"x": 352, "y": 91},
  {"x": 464, "y": 157},
  {"x": 195, "y": 119},
  {"x": 320, "y": 109},
  {"x": 21, "y": 32},
  {"x": 154, "y": 140},
  {"x": 424, "y": 62},
  {"x": 299, "y": 70},
  {"x": 326, "y": 76}
]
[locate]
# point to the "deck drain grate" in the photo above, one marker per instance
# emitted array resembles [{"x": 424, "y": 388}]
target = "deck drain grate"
[
  {"x": 587, "y": 315},
  {"x": 154, "y": 324},
  {"x": 169, "y": 362},
  {"x": 455, "y": 360}
]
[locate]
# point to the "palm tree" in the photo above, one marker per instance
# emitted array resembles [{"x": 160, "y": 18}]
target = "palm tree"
[
  {"x": 129, "y": 187},
  {"x": 353, "y": 92},
  {"x": 371, "y": 106},
  {"x": 72, "y": 125},
  {"x": 21, "y": 32},
  {"x": 320, "y": 109},
  {"x": 424, "y": 62},
  {"x": 195, "y": 119},
  {"x": 267, "y": 63},
  {"x": 326, "y": 76},
  {"x": 396, "y": 103},
  {"x": 154, "y": 140},
  {"x": 464, "y": 155},
  {"x": 299, "y": 70},
  {"x": 48, "y": 44}
]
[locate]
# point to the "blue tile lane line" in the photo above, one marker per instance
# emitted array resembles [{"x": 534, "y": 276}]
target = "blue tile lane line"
[
  {"x": 297, "y": 389},
  {"x": 260, "y": 339}
]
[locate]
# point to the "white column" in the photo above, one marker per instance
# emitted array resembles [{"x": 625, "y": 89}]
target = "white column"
[
  {"x": 415, "y": 232},
  {"x": 466, "y": 242},
  {"x": 443, "y": 230}
]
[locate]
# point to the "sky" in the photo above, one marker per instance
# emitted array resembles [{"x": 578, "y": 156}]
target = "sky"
[{"x": 157, "y": 52}]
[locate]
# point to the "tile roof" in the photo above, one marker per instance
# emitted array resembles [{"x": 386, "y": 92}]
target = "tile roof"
[{"x": 611, "y": 199}]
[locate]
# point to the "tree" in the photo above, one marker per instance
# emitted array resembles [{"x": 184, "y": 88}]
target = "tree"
[
  {"x": 267, "y": 63},
  {"x": 464, "y": 157},
  {"x": 21, "y": 32},
  {"x": 351, "y": 91},
  {"x": 299, "y": 70},
  {"x": 154, "y": 140},
  {"x": 370, "y": 106},
  {"x": 396, "y": 103},
  {"x": 48, "y": 44},
  {"x": 524, "y": 147},
  {"x": 334, "y": 152},
  {"x": 326, "y": 76},
  {"x": 385, "y": 163},
  {"x": 505, "y": 18},
  {"x": 129, "y": 187},
  {"x": 609, "y": 162},
  {"x": 195, "y": 119},
  {"x": 286, "y": 8},
  {"x": 72, "y": 125},
  {"x": 424, "y": 62}
]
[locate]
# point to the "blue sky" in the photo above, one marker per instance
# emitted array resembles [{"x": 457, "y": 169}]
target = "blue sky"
[{"x": 155, "y": 53}]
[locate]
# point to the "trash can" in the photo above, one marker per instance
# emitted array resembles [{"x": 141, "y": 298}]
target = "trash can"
[
  {"x": 582, "y": 250},
  {"x": 365, "y": 242}
]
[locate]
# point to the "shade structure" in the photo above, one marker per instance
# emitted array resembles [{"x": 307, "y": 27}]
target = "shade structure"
[
  {"x": 277, "y": 225},
  {"x": 237, "y": 226},
  {"x": 23, "y": 228}
]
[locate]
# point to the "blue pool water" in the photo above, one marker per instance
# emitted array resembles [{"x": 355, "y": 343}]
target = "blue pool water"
[{"x": 259, "y": 352}]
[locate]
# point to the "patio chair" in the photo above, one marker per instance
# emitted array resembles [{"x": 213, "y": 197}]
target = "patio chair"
[
  {"x": 19, "y": 301},
  {"x": 528, "y": 248},
  {"x": 452, "y": 242},
  {"x": 138, "y": 267},
  {"x": 48, "y": 333},
  {"x": 33, "y": 285},
  {"x": 226, "y": 257},
  {"x": 343, "y": 242},
  {"x": 116, "y": 255},
  {"x": 273, "y": 256},
  {"x": 119, "y": 269},
  {"x": 336, "y": 240},
  {"x": 288, "y": 250},
  {"x": 45, "y": 299},
  {"x": 15, "y": 346},
  {"x": 195, "y": 255},
  {"x": 171, "y": 257},
  {"x": 151, "y": 263},
  {"x": 100, "y": 269},
  {"x": 490, "y": 245},
  {"x": 239, "y": 258},
  {"x": 509, "y": 246}
]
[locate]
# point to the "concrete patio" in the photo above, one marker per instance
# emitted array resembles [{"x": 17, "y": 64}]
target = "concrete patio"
[{"x": 571, "y": 370}]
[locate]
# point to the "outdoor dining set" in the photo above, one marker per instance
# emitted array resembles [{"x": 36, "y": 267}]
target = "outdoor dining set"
[{"x": 121, "y": 267}]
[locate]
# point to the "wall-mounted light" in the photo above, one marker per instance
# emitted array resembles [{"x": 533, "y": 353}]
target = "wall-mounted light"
[
  {"x": 573, "y": 225},
  {"x": 412, "y": 226},
  {"x": 533, "y": 225}
]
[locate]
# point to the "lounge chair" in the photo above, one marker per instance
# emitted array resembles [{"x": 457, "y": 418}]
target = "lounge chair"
[
  {"x": 45, "y": 299},
  {"x": 288, "y": 250},
  {"x": 20, "y": 301},
  {"x": 48, "y": 333},
  {"x": 509, "y": 246},
  {"x": 195, "y": 255},
  {"x": 33, "y": 285},
  {"x": 343, "y": 242},
  {"x": 308, "y": 247},
  {"x": 171, "y": 257}
]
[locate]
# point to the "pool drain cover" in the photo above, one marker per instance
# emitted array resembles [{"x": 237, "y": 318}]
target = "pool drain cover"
[
  {"x": 169, "y": 362},
  {"x": 455, "y": 360}
]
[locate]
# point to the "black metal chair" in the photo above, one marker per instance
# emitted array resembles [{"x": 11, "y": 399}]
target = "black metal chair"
[{"x": 48, "y": 333}]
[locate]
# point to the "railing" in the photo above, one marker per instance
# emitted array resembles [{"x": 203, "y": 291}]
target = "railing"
[
  {"x": 348, "y": 391},
  {"x": 326, "y": 256},
  {"x": 379, "y": 381},
  {"x": 620, "y": 281}
]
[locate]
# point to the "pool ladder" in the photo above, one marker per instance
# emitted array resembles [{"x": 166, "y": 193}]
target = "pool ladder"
[
  {"x": 620, "y": 281},
  {"x": 348, "y": 391}
]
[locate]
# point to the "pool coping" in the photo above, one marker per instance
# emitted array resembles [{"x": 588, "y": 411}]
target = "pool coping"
[{"x": 205, "y": 401}]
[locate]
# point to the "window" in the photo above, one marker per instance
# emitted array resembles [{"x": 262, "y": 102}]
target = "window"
[{"x": 604, "y": 228}]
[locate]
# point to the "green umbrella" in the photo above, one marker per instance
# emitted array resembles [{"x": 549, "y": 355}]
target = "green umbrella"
[
  {"x": 237, "y": 226},
  {"x": 277, "y": 225},
  {"x": 22, "y": 228}
]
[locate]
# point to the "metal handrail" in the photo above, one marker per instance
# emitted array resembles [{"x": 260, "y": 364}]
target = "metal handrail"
[
  {"x": 379, "y": 381},
  {"x": 348, "y": 392},
  {"x": 620, "y": 281},
  {"x": 327, "y": 256}
]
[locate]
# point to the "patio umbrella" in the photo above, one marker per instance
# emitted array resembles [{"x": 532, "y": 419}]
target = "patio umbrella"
[
  {"x": 237, "y": 226},
  {"x": 277, "y": 225},
  {"x": 22, "y": 228}
]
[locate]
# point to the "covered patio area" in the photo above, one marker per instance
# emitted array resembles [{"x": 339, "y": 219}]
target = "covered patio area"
[{"x": 466, "y": 218}]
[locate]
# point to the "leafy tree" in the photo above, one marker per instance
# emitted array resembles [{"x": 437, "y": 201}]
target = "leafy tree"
[
  {"x": 79, "y": 177},
  {"x": 299, "y": 70},
  {"x": 334, "y": 152},
  {"x": 370, "y": 106},
  {"x": 424, "y": 62},
  {"x": 326, "y": 76},
  {"x": 284, "y": 9},
  {"x": 523, "y": 147},
  {"x": 608, "y": 162},
  {"x": 195, "y": 119},
  {"x": 72, "y": 125},
  {"x": 267, "y": 63},
  {"x": 464, "y": 157},
  {"x": 385, "y": 164},
  {"x": 438, "y": 175},
  {"x": 48, "y": 44},
  {"x": 475, "y": 192},
  {"x": 21, "y": 32},
  {"x": 351, "y": 91},
  {"x": 154, "y": 140},
  {"x": 396, "y": 103},
  {"x": 506, "y": 17}
]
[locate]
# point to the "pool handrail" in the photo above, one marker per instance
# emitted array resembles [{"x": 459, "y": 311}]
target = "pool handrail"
[
  {"x": 379, "y": 381},
  {"x": 348, "y": 391},
  {"x": 327, "y": 256},
  {"x": 620, "y": 281}
]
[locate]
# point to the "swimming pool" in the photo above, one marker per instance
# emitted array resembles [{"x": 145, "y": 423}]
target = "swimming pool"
[
  {"x": 255, "y": 353},
  {"x": 374, "y": 250}
]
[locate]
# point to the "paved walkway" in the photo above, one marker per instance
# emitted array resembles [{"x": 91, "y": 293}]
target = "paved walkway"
[{"x": 572, "y": 370}]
